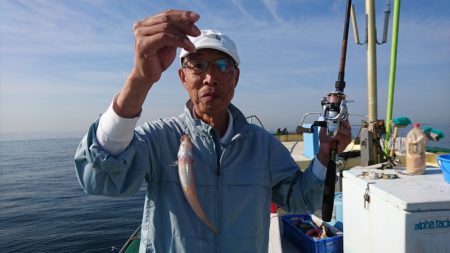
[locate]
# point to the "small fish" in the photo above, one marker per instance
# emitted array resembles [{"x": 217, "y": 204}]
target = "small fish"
[
  {"x": 323, "y": 235},
  {"x": 186, "y": 174}
]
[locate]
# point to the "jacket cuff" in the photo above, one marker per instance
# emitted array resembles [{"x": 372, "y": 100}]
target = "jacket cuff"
[
  {"x": 318, "y": 169},
  {"x": 114, "y": 133}
]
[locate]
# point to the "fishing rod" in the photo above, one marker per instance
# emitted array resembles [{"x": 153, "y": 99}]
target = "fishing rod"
[
  {"x": 334, "y": 112},
  {"x": 334, "y": 108}
]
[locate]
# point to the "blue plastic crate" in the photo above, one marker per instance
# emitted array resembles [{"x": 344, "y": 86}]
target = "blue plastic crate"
[{"x": 305, "y": 243}]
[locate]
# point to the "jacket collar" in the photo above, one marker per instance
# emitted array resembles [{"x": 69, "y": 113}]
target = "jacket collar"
[{"x": 239, "y": 120}]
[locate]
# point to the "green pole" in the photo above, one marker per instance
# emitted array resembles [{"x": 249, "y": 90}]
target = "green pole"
[{"x": 390, "y": 102}]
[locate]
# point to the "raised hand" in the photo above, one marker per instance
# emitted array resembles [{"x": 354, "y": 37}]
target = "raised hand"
[{"x": 157, "y": 39}]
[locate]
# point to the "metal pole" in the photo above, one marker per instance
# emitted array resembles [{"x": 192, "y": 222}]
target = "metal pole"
[
  {"x": 390, "y": 103},
  {"x": 371, "y": 61}
]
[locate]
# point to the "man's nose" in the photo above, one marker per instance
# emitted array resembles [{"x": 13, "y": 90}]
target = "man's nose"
[{"x": 210, "y": 76}]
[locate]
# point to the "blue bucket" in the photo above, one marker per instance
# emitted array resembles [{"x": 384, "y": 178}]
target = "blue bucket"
[{"x": 444, "y": 164}]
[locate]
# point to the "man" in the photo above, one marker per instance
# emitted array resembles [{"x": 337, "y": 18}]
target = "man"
[{"x": 239, "y": 167}]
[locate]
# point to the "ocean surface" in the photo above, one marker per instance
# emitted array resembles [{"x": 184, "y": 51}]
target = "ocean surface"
[{"x": 44, "y": 209}]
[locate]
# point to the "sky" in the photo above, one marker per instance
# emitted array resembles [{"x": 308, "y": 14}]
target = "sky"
[{"x": 62, "y": 62}]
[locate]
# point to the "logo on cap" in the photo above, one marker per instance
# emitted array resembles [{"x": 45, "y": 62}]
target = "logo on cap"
[{"x": 213, "y": 36}]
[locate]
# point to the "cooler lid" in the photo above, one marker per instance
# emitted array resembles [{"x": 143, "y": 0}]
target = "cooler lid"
[{"x": 426, "y": 192}]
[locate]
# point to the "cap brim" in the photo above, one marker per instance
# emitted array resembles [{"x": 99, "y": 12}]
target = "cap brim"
[{"x": 185, "y": 53}]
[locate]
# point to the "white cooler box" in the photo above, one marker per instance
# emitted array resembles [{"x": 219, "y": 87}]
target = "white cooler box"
[{"x": 409, "y": 214}]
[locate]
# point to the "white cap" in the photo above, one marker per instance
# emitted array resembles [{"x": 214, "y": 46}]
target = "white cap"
[{"x": 215, "y": 40}]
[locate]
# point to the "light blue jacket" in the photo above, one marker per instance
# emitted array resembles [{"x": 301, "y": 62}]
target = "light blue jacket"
[{"x": 236, "y": 183}]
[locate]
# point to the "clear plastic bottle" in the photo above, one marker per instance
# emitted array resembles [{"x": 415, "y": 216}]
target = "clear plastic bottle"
[{"x": 416, "y": 142}]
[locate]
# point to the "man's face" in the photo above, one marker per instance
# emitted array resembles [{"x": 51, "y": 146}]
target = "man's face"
[{"x": 210, "y": 90}]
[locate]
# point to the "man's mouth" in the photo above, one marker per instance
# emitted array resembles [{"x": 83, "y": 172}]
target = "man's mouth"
[{"x": 209, "y": 96}]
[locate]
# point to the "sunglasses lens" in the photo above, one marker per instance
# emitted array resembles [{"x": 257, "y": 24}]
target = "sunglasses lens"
[
  {"x": 199, "y": 65},
  {"x": 223, "y": 65}
]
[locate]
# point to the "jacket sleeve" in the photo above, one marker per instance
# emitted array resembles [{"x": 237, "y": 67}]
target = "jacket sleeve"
[
  {"x": 100, "y": 173},
  {"x": 293, "y": 190}
]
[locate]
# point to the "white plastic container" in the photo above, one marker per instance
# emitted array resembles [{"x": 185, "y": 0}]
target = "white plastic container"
[
  {"x": 410, "y": 214},
  {"x": 416, "y": 143}
]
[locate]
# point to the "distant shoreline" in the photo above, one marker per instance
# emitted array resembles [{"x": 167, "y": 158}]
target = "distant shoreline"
[
  {"x": 39, "y": 136},
  {"x": 444, "y": 142}
]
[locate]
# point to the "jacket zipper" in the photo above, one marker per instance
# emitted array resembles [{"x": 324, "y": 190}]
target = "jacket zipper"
[
  {"x": 218, "y": 168},
  {"x": 219, "y": 193},
  {"x": 218, "y": 206},
  {"x": 219, "y": 152}
]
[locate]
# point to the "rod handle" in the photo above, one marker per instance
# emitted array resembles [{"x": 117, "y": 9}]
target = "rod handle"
[{"x": 330, "y": 183}]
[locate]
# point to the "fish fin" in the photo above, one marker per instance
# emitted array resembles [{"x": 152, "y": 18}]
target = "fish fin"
[{"x": 214, "y": 230}]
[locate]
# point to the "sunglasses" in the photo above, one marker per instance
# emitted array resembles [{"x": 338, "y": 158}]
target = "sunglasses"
[{"x": 224, "y": 65}]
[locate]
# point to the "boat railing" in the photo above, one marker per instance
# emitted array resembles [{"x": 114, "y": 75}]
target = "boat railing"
[
  {"x": 302, "y": 129},
  {"x": 319, "y": 113},
  {"x": 254, "y": 117},
  {"x": 133, "y": 237},
  {"x": 308, "y": 114}
]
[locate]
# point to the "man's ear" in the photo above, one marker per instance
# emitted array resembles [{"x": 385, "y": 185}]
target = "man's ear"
[
  {"x": 236, "y": 76},
  {"x": 182, "y": 77}
]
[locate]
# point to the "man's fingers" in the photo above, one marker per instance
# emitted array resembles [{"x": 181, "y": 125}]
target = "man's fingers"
[
  {"x": 345, "y": 135},
  {"x": 156, "y": 39},
  {"x": 161, "y": 40},
  {"x": 182, "y": 20},
  {"x": 172, "y": 16},
  {"x": 169, "y": 28}
]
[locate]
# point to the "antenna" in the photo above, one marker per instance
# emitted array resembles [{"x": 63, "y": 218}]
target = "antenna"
[
  {"x": 387, "y": 13},
  {"x": 355, "y": 26}
]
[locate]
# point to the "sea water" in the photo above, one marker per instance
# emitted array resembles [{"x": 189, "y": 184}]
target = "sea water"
[{"x": 44, "y": 209}]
